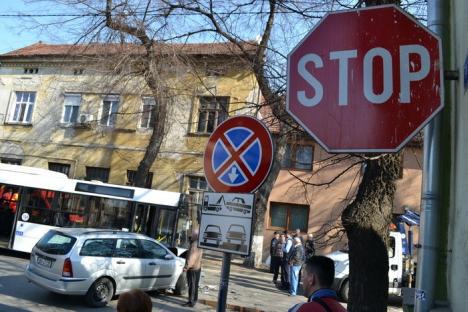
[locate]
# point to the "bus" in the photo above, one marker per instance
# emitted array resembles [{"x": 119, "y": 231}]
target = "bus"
[{"x": 34, "y": 200}]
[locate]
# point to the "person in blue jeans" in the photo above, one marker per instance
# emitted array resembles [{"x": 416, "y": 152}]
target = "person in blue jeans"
[{"x": 296, "y": 259}]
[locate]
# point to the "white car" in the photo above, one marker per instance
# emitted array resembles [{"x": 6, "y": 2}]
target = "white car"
[{"x": 102, "y": 263}]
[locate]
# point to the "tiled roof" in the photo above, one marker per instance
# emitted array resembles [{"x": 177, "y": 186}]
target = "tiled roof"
[{"x": 41, "y": 49}]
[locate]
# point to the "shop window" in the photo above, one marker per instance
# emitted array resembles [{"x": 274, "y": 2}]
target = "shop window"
[{"x": 289, "y": 217}]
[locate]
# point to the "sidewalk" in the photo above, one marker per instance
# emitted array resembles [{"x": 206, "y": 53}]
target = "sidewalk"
[{"x": 250, "y": 290}]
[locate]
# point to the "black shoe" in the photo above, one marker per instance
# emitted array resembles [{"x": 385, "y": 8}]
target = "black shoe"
[{"x": 188, "y": 304}]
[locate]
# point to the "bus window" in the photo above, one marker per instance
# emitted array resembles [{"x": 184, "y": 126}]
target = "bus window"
[
  {"x": 72, "y": 210},
  {"x": 165, "y": 227},
  {"x": 110, "y": 213},
  {"x": 38, "y": 205}
]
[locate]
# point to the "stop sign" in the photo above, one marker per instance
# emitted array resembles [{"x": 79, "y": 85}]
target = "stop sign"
[{"x": 365, "y": 80}]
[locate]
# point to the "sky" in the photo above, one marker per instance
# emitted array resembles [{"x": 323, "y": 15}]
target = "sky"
[{"x": 13, "y": 34}]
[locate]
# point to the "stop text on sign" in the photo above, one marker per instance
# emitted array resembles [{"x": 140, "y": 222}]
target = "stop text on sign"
[{"x": 406, "y": 75}]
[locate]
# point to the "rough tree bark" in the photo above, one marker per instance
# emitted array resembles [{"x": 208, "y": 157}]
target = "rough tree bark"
[
  {"x": 156, "y": 85},
  {"x": 366, "y": 221}
]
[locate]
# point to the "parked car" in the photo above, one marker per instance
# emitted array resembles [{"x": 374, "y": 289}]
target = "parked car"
[
  {"x": 212, "y": 235},
  {"x": 236, "y": 233},
  {"x": 102, "y": 263}
]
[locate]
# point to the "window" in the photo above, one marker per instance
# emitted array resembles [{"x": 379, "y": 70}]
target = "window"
[
  {"x": 98, "y": 247},
  {"x": 110, "y": 107},
  {"x": 97, "y": 173},
  {"x": 78, "y": 71},
  {"x": 131, "y": 177},
  {"x": 56, "y": 243},
  {"x": 197, "y": 185},
  {"x": 31, "y": 70},
  {"x": 24, "y": 106},
  {"x": 147, "y": 113},
  {"x": 289, "y": 216},
  {"x": 151, "y": 250},
  {"x": 213, "y": 110},
  {"x": 126, "y": 248},
  {"x": 71, "y": 107},
  {"x": 298, "y": 156},
  {"x": 11, "y": 161},
  {"x": 63, "y": 168}
]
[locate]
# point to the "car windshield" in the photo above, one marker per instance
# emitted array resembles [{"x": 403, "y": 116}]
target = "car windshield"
[
  {"x": 56, "y": 243},
  {"x": 236, "y": 228},
  {"x": 212, "y": 229}
]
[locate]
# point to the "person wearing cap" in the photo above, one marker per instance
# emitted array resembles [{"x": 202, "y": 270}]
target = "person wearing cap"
[
  {"x": 193, "y": 269},
  {"x": 295, "y": 259}
]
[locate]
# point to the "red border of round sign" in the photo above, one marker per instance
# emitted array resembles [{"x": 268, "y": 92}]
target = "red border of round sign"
[{"x": 265, "y": 163}]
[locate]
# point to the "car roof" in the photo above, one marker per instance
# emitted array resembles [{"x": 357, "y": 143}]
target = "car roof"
[{"x": 94, "y": 231}]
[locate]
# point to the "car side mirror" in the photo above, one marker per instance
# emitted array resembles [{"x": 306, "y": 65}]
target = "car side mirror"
[{"x": 168, "y": 257}]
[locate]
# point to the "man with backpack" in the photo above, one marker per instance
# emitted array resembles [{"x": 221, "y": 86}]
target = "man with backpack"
[{"x": 317, "y": 279}]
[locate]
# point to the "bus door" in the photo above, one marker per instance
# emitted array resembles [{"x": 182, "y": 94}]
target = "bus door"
[{"x": 9, "y": 196}]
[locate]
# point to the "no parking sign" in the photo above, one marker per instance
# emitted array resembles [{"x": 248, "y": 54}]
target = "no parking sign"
[{"x": 238, "y": 155}]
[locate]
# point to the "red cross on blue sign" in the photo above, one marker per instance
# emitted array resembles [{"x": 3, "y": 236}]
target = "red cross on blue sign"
[{"x": 238, "y": 155}]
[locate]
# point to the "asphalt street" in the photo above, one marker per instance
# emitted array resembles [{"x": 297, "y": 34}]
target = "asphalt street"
[{"x": 18, "y": 295}]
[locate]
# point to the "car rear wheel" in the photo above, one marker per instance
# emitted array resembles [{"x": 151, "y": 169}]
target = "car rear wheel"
[
  {"x": 181, "y": 285},
  {"x": 344, "y": 291},
  {"x": 100, "y": 293}
]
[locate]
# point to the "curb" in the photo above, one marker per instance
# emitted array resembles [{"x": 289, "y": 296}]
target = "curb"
[{"x": 231, "y": 307}]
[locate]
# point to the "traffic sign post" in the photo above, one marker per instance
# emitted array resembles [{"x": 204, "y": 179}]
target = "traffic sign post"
[
  {"x": 238, "y": 158},
  {"x": 365, "y": 80}
]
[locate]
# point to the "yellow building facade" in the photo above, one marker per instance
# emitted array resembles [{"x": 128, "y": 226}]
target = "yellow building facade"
[{"x": 61, "y": 110}]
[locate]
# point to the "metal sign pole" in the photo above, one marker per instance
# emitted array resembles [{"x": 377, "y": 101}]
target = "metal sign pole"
[{"x": 224, "y": 282}]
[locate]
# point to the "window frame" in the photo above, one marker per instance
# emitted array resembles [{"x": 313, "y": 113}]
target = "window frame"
[
  {"x": 293, "y": 157},
  {"x": 221, "y": 113},
  {"x": 151, "y": 112},
  {"x": 289, "y": 207},
  {"x": 73, "y": 106},
  {"x": 110, "y": 119},
  {"x": 61, "y": 166},
  {"x": 28, "y": 109},
  {"x": 131, "y": 175},
  {"x": 97, "y": 168}
]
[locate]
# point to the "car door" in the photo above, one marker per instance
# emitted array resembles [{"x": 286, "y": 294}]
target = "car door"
[
  {"x": 127, "y": 264},
  {"x": 159, "y": 264}
]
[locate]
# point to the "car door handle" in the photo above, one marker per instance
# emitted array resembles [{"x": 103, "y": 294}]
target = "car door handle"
[
  {"x": 120, "y": 262},
  {"x": 152, "y": 263}
]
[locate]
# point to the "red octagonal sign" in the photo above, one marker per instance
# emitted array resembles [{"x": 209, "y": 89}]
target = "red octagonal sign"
[{"x": 365, "y": 80}]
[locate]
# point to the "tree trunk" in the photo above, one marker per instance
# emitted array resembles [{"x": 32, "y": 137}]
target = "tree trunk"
[{"x": 366, "y": 221}]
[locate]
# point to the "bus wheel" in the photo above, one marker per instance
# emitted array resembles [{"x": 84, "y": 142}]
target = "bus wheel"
[
  {"x": 181, "y": 285},
  {"x": 344, "y": 291},
  {"x": 100, "y": 293}
]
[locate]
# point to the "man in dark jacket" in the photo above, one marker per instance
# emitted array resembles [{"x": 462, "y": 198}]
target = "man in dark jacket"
[
  {"x": 309, "y": 246},
  {"x": 318, "y": 275},
  {"x": 273, "y": 243},
  {"x": 296, "y": 259}
]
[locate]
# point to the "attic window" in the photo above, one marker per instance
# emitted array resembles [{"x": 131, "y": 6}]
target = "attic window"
[
  {"x": 31, "y": 70},
  {"x": 78, "y": 71}
]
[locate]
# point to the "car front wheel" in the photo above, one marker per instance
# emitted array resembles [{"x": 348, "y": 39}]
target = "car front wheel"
[{"x": 100, "y": 293}]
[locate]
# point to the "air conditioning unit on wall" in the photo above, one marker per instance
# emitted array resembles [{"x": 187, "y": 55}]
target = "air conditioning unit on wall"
[{"x": 85, "y": 118}]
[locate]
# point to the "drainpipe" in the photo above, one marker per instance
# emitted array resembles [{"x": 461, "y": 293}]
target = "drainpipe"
[{"x": 431, "y": 189}]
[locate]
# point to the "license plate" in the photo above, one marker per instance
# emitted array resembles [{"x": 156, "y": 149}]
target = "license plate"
[{"x": 44, "y": 262}]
